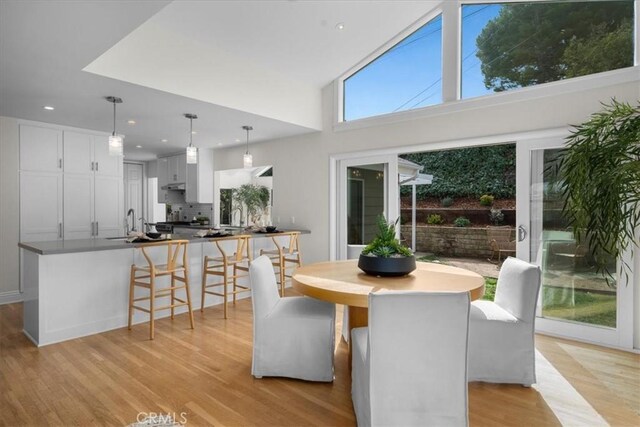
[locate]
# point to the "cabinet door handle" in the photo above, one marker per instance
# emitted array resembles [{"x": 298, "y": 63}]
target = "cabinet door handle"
[
  {"x": 97, "y": 166},
  {"x": 97, "y": 232},
  {"x": 60, "y": 229},
  {"x": 59, "y": 163},
  {"x": 92, "y": 169}
]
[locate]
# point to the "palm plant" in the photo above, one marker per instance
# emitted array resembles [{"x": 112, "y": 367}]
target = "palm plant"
[
  {"x": 385, "y": 244},
  {"x": 600, "y": 174},
  {"x": 254, "y": 197}
]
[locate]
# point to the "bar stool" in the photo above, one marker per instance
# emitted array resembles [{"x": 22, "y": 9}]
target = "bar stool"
[
  {"x": 179, "y": 272},
  {"x": 284, "y": 255},
  {"x": 221, "y": 265}
]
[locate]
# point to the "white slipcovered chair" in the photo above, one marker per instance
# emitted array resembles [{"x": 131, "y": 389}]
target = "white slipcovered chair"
[
  {"x": 410, "y": 363},
  {"x": 501, "y": 333},
  {"x": 292, "y": 337}
]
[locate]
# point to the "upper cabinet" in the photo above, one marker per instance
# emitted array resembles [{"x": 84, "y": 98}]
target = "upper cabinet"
[
  {"x": 177, "y": 169},
  {"x": 86, "y": 153},
  {"x": 199, "y": 188},
  {"x": 197, "y": 178},
  {"x": 105, "y": 164},
  {"x": 40, "y": 149}
]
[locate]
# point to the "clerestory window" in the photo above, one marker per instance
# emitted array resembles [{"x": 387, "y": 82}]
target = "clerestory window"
[
  {"x": 512, "y": 45},
  {"x": 407, "y": 76}
]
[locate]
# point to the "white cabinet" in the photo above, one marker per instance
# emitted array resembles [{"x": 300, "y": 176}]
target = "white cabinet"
[
  {"x": 40, "y": 206},
  {"x": 163, "y": 178},
  {"x": 69, "y": 187},
  {"x": 105, "y": 164},
  {"x": 109, "y": 206},
  {"x": 199, "y": 185},
  {"x": 40, "y": 149},
  {"x": 78, "y": 206},
  {"x": 93, "y": 188},
  {"x": 40, "y": 184},
  {"x": 177, "y": 169}
]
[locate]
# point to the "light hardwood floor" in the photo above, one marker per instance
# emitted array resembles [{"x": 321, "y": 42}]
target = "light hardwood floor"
[{"x": 108, "y": 379}]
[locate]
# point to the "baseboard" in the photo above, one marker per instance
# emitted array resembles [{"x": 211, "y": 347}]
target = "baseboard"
[{"x": 10, "y": 297}]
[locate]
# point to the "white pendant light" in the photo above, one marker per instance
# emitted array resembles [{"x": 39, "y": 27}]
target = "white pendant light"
[
  {"x": 192, "y": 152},
  {"x": 115, "y": 141},
  {"x": 247, "y": 159}
]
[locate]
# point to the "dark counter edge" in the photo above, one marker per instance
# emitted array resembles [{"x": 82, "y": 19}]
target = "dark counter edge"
[{"x": 92, "y": 245}]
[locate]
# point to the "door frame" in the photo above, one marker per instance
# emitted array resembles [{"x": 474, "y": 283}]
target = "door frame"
[
  {"x": 622, "y": 335},
  {"x": 338, "y": 195}
]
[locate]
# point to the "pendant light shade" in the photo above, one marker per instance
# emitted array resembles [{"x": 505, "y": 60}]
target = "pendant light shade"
[
  {"x": 192, "y": 152},
  {"x": 116, "y": 146},
  {"x": 247, "y": 159}
]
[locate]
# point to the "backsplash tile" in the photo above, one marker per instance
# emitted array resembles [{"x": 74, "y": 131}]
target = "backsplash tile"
[{"x": 190, "y": 210}]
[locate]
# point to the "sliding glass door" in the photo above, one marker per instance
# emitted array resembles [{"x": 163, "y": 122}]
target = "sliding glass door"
[{"x": 576, "y": 300}]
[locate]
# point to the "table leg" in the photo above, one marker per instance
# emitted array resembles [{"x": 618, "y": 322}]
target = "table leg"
[{"x": 358, "y": 317}]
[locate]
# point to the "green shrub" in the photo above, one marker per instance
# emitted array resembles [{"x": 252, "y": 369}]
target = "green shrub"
[
  {"x": 486, "y": 200},
  {"x": 467, "y": 172},
  {"x": 434, "y": 219},
  {"x": 461, "y": 222},
  {"x": 496, "y": 217},
  {"x": 447, "y": 201}
]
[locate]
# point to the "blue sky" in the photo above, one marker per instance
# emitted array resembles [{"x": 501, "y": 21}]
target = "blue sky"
[{"x": 409, "y": 75}]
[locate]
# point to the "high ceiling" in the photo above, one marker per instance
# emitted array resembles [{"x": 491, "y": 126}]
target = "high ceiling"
[{"x": 230, "y": 62}]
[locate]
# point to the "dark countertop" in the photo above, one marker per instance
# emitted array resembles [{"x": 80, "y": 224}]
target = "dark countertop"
[{"x": 90, "y": 245}]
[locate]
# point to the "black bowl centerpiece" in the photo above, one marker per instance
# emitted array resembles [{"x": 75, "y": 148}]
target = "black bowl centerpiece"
[
  {"x": 270, "y": 228},
  {"x": 385, "y": 255},
  {"x": 153, "y": 235}
]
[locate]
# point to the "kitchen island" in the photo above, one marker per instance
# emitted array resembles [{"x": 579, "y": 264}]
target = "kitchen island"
[{"x": 75, "y": 288}]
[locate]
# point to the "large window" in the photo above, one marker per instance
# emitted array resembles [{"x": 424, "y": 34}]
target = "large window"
[
  {"x": 407, "y": 76},
  {"x": 513, "y": 45}
]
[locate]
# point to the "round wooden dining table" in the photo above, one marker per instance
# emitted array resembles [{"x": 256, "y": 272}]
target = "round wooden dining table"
[{"x": 342, "y": 282}]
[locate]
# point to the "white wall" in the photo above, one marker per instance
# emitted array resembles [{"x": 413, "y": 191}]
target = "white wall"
[
  {"x": 9, "y": 211},
  {"x": 301, "y": 163}
]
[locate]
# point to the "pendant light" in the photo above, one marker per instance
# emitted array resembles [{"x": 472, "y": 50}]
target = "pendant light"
[
  {"x": 192, "y": 152},
  {"x": 247, "y": 159},
  {"x": 115, "y": 140}
]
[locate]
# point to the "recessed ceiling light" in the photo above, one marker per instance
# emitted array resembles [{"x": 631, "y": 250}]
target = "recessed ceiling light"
[
  {"x": 131, "y": 122},
  {"x": 48, "y": 108},
  {"x": 193, "y": 132},
  {"x": 219, "y": 144},
  {"x": 164, "y": 140},
  {"x": 138, "y": 146},
  {"x": 340, "y": 26},
  {"x": 237, "y": 140}
]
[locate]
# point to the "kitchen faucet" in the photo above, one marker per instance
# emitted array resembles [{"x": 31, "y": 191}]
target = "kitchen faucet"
[{"x": 132, "y": 214}]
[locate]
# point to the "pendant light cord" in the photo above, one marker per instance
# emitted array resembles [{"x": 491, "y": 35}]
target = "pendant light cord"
[
  {"x": 190, "y": 132},
  {"x": 114, "y": 118}
]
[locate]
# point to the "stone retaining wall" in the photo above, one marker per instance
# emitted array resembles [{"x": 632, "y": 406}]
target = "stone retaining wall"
[{"x": 471, "y": 242}]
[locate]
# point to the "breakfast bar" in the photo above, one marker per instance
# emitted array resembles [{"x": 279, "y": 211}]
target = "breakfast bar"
[{"x": 75, "y": 288}]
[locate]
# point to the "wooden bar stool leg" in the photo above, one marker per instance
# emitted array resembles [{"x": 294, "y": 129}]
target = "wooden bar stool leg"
[
  {"x": 186, "y": 287},
  {"x": 204, "y": 282},
  {"x": 173, "y": 294},
  {"x": 152, "y": 297},
  {"x": 131, "y": 290},
  {"x": 235, "y": 282},
  {"x": 224, "y": 288}
]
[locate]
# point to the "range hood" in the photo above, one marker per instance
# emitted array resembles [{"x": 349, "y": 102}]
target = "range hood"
[{"x": 179, "y": 186}]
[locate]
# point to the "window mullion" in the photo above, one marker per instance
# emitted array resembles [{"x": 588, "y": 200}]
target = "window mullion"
[{"x": 450, "y": 51}]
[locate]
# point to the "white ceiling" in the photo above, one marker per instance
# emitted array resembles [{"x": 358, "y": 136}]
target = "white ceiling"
[{"x": 262, "y": 63}]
